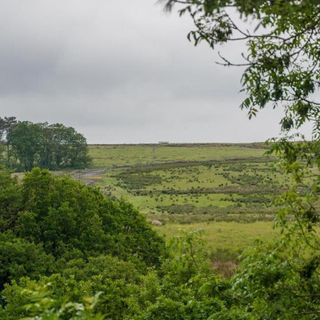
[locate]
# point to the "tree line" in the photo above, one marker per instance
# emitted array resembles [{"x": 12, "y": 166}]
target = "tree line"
[{"x": 53, "y": 146}]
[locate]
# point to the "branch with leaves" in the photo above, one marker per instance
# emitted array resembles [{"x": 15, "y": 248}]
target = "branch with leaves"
[{"x": 281, "y": 56}]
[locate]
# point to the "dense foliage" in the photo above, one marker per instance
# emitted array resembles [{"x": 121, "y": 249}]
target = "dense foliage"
[
  {"x": 52, "y": 146},
  {"x": 67, "y": 218},
  {"x": 62, "y": 242},
  {"x": 85, "y": 243},
  {"x": 67, "y": 252}
]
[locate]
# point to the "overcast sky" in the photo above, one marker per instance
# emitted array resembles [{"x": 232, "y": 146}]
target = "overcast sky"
[{"x": 119, "y": 72}]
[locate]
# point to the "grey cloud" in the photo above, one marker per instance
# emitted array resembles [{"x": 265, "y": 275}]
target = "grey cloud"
[{"x": 119, "y": 71}]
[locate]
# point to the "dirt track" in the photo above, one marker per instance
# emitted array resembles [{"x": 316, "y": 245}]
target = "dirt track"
[{"x": 89, "y": 176}]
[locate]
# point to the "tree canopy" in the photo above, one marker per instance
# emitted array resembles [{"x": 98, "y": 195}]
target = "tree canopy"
[
  {"x": 65, "y": 217},
  {"x": 51, "y": 146}
]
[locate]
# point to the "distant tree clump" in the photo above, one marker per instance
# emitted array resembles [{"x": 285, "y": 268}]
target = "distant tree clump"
[{"x": 42, "y": 145}]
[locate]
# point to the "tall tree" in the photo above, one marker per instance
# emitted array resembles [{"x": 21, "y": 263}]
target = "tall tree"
[
  {"x": 47, "y": 146},
  {"x": 6, "y": 124},
  {"x": 66, "y": 146},
  {"x": 25, "y": 140}
]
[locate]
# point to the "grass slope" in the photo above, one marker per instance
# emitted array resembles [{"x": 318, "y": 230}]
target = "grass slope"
[
  {"x": 191, "y": 183},
  {"x": 225, "y": 190}
]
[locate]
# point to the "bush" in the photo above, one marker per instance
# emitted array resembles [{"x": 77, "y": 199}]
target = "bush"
[
  {"x": 19, "y": 257},
  {"x": 69, "y": 218}
]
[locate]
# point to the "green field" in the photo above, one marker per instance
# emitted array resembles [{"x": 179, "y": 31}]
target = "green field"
[
  {"x": 226, "y": 190},
  {"x": 230, "y": 236},
  {"x": 128, "y": 155},
  {"x": 192, "y": 183}
]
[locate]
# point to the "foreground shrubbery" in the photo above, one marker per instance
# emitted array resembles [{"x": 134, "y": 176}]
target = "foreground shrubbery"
[
  {"x": 70, "y": 220},
  {"x": 67, "y": 252},
  {"x": 184, "y": 287}
]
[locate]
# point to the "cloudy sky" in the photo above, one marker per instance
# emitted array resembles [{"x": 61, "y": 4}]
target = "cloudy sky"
[{"x": 119, "y": 72}]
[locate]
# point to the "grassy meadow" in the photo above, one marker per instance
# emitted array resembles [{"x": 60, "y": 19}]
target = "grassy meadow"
[
  {"x": 220, "y": 236},
  {"x": 191, "y": 183},
  {"x": 124, "y": 155},
  {"x": 225, "y": 190}
]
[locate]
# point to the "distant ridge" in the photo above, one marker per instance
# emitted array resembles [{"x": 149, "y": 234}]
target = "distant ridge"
[{"x": 261, "y": 145}]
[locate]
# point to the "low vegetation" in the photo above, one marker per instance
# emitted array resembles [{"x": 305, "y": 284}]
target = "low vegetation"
[
  {"x": 192, "y": 183},
  {"x": 68, "y": 252},
  {"x": 71, "y": 251}
]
